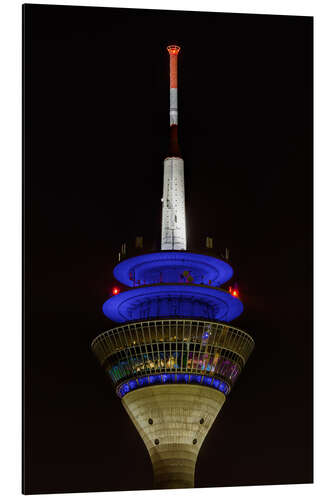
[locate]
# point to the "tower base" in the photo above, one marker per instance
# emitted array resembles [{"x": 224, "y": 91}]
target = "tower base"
[{"x": 173, "y": 421}]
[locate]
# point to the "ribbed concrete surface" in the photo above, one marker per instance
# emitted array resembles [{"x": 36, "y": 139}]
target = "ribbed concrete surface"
[{"x": 175, "y": 412}]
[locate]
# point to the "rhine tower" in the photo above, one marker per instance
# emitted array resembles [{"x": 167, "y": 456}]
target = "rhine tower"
[{"x": 173, "y": 358}]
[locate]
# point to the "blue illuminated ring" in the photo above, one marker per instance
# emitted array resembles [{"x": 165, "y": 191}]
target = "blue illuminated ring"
[
  {"x": 126, "y": 306},
  {"x": 173, "y": 378},
  {"x": 167, "y": 267}
]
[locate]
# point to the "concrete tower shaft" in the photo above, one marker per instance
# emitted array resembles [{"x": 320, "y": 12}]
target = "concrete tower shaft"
[{"x": 173, "y": 422}]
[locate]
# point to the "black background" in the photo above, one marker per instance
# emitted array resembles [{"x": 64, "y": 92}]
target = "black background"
[{"x": 96, "y": 100}]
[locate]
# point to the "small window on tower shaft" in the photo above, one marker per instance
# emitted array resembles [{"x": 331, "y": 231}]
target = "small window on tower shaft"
[{"x": 175, "y": 218}]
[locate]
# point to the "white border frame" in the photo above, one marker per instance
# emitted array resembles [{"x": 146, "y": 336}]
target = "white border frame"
[{"x": 10, "y": 213}]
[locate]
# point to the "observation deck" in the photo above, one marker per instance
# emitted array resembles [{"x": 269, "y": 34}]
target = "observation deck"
[
  {"x": 172, "y": 332},
  {"x": 173, "y": 351}
]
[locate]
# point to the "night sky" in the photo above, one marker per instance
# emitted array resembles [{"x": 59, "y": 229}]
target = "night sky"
[{"x": 96, "y": 129}]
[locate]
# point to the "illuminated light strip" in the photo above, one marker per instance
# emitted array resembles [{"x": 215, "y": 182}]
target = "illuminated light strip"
[{"x": 167, "y": 378}]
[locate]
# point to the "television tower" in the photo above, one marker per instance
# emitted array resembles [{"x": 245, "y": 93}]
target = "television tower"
[{"x": 173, "y": 358}]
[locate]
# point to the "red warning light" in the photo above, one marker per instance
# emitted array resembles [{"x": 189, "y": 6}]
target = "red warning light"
[
  {"x": 115, "y": 290},
  {"x": 233, "y": 291}
]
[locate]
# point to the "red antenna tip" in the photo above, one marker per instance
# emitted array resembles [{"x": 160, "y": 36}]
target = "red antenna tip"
[{"x": 173, "y": 49}]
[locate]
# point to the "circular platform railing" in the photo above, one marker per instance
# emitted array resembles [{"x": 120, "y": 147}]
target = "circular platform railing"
[{"x": 173, "y": 346}]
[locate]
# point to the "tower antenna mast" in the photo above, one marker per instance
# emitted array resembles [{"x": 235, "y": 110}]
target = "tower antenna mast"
[{"x": 173, "y": 209}]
